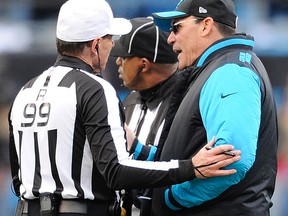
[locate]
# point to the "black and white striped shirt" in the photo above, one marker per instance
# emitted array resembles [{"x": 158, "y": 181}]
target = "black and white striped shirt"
[{"x": 66, "y": 137}]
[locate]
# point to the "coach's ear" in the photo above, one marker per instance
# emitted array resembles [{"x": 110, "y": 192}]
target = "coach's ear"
[{"x": 206, "y": 26}]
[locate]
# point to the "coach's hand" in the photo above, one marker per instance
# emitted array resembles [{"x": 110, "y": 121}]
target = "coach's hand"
[{"x": 209, "y": 161}]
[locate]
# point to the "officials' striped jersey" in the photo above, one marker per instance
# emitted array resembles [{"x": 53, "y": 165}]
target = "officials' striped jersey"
[
  {"x": 145, "y": 113},
  {"x": 66, "y": 137}
]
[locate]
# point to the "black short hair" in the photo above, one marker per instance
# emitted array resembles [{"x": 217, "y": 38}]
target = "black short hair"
[
  {"x": 71, "y": 48},
  {"x": 225, "y": 30}
]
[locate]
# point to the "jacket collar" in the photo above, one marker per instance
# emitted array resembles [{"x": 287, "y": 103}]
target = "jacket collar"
[
  {"x": 239, "y": 41},
  {"x": 153, "y": 96}
]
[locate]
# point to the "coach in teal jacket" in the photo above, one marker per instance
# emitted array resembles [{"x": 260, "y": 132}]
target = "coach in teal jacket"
[{"x": 223, "y": 90}]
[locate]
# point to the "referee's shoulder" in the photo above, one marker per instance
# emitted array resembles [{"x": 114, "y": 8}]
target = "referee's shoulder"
[{"x": 94, "y": 80}]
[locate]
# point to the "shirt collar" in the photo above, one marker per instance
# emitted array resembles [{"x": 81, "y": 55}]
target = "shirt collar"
[
  {"x": 73, "y": 62},
  {"x": 238, "y": 40},
  {"x": 153, "y": 96}
]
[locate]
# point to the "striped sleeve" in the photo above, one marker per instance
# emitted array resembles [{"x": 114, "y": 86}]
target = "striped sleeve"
[
  {"x": 104, "y": 126},
  {"x": 142, "y": 152}
]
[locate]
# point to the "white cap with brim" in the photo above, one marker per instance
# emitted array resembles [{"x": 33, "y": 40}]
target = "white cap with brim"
[{"x": 85, "y": 20}]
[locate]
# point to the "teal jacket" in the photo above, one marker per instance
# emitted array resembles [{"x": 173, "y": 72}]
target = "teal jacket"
[{"x": 228, "y": 95}]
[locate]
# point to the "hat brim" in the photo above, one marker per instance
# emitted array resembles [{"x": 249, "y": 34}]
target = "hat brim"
[
  {"x": 119, "y": 51},
  {"x": 163, "y": 19},
  {"x": 120, "y": 26}
]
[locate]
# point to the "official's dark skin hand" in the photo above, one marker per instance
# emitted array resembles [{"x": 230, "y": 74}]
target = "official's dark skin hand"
[
  {"x": 208, "y": 163},
  {"x": 130, "y": 136}
]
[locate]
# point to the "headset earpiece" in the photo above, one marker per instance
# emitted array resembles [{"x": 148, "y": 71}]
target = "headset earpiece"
[{"x": 97, "y": 47}]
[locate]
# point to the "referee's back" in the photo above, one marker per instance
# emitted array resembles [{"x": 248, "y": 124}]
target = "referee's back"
[{"x": 67, "y": 142}]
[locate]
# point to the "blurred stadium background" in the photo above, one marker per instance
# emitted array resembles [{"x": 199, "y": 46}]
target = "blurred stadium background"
[{"x": 27, "y": 47}]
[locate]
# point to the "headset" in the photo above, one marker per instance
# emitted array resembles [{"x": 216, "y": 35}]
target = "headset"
[
  {"x": 97, "y": 48},
  {"x": 135, "y": 76},
  {"x": 99, "y": 65}
]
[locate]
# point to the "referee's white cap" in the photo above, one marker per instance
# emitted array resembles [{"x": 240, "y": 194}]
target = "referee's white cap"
[{"x": 85, "y": 20}]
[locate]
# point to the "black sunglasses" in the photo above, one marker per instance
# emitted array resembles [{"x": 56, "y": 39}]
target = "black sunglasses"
[{"x": 175, "y": 27}]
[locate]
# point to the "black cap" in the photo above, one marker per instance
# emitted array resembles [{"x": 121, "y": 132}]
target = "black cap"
[
  {"x": 222, "y": 11},
  {"x": 145, "y": 40}
]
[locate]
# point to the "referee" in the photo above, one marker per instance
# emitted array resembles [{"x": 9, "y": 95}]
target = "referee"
[{"x": 67, "y": 142}]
